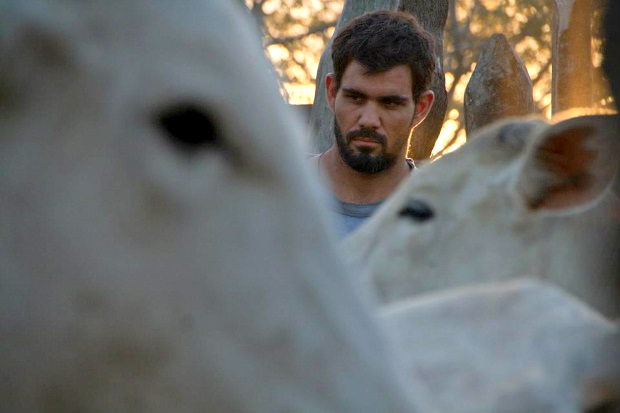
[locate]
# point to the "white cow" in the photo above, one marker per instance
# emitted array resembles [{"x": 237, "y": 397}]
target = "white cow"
[
  {"x": 161, "y": 249},
  {"x": 523, "y": 198},
  {"x": 512, "y": 347}
]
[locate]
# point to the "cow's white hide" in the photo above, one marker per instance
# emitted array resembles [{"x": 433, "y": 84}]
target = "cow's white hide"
[
  {"x": 517, "y": 346},
  {"x": 139, "y": 274},
  {"x": 523, "y": 198}
]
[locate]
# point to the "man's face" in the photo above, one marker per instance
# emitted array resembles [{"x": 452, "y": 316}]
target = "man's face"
[{"x": 374, "y": 113}]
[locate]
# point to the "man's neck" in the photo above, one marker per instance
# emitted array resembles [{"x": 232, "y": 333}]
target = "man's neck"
[{"x": 348, "y": 185}]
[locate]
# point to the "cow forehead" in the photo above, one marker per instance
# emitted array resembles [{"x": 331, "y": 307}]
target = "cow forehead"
[
  {"x": 211, "y": 35},
  {"x": 202, "y": 46},
  {"x": 148, "y": 54},
  {"x": 215, "y": 25},
  {"x": 90, "y": 117},
  {"x": 503, "y": 140},
  {"x": 492, "y": 150},
  {"x": 137, "y": 20}
]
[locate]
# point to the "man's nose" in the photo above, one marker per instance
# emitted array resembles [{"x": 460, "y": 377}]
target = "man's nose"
[{"x": 370, "y": 117}]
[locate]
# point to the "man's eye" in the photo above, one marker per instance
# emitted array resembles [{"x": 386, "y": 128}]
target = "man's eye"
[{"x": 392, "y": 103}]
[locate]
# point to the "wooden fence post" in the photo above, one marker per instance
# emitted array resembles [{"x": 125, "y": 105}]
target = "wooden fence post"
[
  {"x": 500, "y": 86},
  {"x": 611, "y": 62},
  {"x": 571, "y": 52},
  {"x": 432, "y": 16}
]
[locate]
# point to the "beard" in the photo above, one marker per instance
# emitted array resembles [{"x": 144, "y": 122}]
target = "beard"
[{"x": 363, "y": 161}]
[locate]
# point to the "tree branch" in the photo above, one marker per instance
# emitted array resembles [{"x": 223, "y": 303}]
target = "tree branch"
[{"x": 316, "y": 29}]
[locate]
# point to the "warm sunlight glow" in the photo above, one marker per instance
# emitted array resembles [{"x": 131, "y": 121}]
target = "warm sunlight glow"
[
  {"x": 449, "y": 80},
  {"x": 546, "y": 100},
  {"x": 526, "y": 23},
  {"x": 459, "y": 89},
  {"x": 447, "y": 132},
  {"x": 295, "y": 41},
  {"x": 278, "y": 53},
  {"x": 462, "y": 10},
  {"x": 491, "y": 5},
  {"x": 597, "y": 52},
  {"x": 270, "y": 6},
  {"x": 449, "y": 127},
  {"x": 576, "y": 112},
  {"x": 461, "y": 139},
  {"x": 300, "y": 94}
]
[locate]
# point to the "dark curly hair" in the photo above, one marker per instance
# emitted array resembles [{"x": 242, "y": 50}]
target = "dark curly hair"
[{"x": 383, "y": 39}]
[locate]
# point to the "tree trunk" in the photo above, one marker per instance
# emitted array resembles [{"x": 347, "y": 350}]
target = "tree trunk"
[
  {"x": 432, "y": 15},
  {"x": 611, "y": 63},
  {"x": 499, "y": 87},
  {"x": 571, "y": 52}
]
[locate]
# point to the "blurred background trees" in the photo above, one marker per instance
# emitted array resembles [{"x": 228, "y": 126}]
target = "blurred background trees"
[{"x": 295, "y": 33}]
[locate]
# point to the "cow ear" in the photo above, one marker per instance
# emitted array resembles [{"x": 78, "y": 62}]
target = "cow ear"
[
  {"x": 33, "y": 40},
  {"x": 571, "y": 165}
]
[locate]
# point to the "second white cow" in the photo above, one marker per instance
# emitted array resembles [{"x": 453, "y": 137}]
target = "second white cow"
[{"x": 523, "y": 198}]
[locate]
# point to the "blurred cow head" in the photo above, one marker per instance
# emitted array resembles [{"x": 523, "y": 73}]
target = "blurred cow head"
[{"x": 161, "y": 249}]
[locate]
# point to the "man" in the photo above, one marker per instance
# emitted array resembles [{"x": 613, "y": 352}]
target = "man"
[{"x": 379, "y": 91}]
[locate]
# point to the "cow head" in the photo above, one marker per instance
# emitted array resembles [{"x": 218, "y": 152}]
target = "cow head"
[
  {"x": 517, "y": 200},
  {"x": 161, "y": 249}
]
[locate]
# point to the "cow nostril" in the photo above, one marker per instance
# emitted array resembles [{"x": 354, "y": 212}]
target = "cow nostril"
[
  {"x": 188, "y": 127},
  {"x": 417, "y": 210}
]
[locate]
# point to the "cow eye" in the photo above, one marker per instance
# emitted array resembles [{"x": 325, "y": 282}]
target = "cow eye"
[
  {"x": 188, "y": 127},
  {"x": 417, "y": 210}
]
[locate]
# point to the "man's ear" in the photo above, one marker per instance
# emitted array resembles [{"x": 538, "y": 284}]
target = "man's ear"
[
  {"x": 423, "y": 106},
  {"x": 331, "y": 90},
  {"x": 571, "y": 165}
]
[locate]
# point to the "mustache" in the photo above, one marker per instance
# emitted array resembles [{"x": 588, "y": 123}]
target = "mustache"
[{"x": 366, "y": 133}]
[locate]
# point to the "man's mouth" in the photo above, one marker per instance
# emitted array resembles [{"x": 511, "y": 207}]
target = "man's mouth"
[
  {"x": 365, "y": 143},
  {"x": 365, "y": 139}
]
